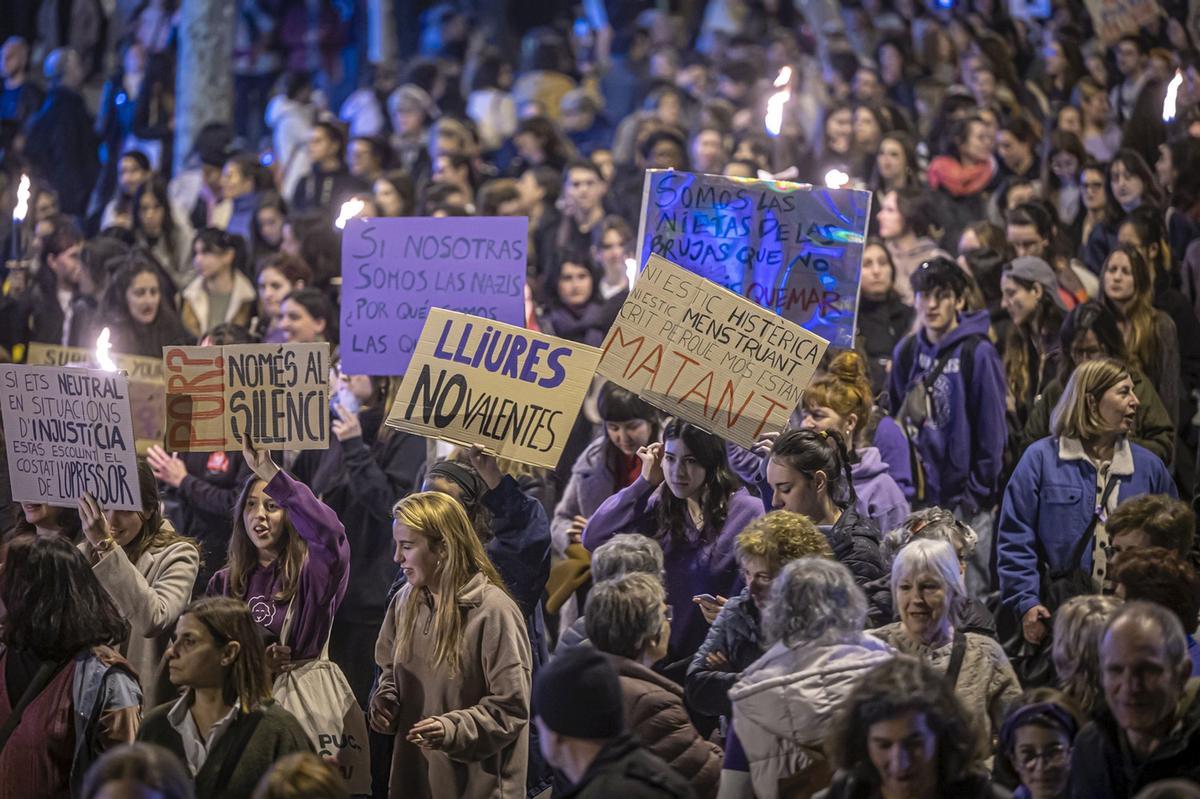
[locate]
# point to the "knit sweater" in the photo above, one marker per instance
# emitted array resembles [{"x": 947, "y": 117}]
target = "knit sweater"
[{"x": 277, "y": 734}]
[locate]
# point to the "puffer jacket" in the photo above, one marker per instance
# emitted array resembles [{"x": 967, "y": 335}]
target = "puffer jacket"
[
  {"x": 785, "y": 701},
  {"x": 654, "y": 713},
  {"x": 737, "y": 633},
  {"x": 854, "y": 540}
]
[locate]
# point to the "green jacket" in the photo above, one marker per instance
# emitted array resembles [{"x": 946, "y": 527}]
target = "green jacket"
[
  {"x": 1152, "y": 428},
  {"x": 277, "y": 734}
]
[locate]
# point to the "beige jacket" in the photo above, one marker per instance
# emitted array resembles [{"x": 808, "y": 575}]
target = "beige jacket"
[
  {"x": 243, "y": 300},
  {"x": 151, "y": 595},
  {"x": 485, "y": 708},
  {"x": 986, "y": 683}
]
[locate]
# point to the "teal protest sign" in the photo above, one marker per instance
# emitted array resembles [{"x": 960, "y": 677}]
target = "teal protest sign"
[{"x": 793, "y": 248}]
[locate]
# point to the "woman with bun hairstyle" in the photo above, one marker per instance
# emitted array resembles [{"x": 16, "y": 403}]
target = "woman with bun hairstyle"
[
  {"x": 841, "y": 401},
  {"x": 690, "y": 502},
  {"x": 809, "y": 473}
]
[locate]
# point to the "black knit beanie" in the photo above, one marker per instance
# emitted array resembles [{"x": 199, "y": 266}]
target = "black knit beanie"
[{"x": 578, "y": 694}]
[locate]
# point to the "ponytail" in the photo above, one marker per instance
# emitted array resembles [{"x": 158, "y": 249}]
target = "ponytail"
[{"x": 812, "y": 451}]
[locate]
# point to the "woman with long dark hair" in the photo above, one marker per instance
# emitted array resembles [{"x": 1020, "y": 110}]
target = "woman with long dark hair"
[
  {"x": 59, "y": 628},
  {"x": 135, "y": 308},
  {"x": 1031, "y": 353},
  {"x": 690, "y": 502},
  {"x": 148, "y": 569},
  {"x": 288, "y": 556},
  {"x": 883, "y": 317},
  {"x": 609, "y": 464},
  {"x": 575, "y": 309},
  {"x": 166, "y": 235}
]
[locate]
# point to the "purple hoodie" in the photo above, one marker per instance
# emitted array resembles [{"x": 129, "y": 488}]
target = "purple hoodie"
[
  {"x": 323, "y": 577},
  {"x": 690, "y": 569},
  {"x": 962, "y": 443},
  {"x": 879, "y": 497}
]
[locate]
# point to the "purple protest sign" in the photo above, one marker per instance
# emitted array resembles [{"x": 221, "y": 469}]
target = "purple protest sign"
[{"x": 395, "y": 269}]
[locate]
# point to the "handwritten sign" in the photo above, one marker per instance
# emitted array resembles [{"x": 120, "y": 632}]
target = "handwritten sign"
[
  {"x": 702, "y": 353},
  {"x": 395, "y": 270},
  {"x": 278, "y": 393},
  {"x": 145, "y": 386},
  {"x": 67, "y": 431},
  {"x": 1112, "y": 19},
  {"x": 514, "y": 392},
  {"x": 792, "y": 248}
]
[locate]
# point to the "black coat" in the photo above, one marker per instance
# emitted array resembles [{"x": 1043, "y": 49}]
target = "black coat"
[
  {"x": 626, "y": 769},
  {"x": 61, "y": 145},
  {"x": 737, "y": 633},
  {"x": 882, "y": 323},
  {"x": 1102, "y": 765},
  {"x": 854, "y": 540}
]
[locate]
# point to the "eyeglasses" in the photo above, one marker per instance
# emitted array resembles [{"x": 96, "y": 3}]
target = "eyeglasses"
[{"x": 1051, "y": 756}]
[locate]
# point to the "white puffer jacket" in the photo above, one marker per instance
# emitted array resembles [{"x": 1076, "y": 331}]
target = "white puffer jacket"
[{"x": 785, "y": 701}]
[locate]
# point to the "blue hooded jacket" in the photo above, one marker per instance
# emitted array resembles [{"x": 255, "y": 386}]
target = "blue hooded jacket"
[{"x": 961, "y": 444}]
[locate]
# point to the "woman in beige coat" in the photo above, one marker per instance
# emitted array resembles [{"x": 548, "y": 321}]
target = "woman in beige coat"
[
  {"x": 149, "y": 571},
  {"x": 454, "y": 661}
]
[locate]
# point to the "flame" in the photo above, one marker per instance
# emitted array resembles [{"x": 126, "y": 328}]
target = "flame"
[
  {"x": 1172, "y": 93},
  {"x": 103, "y": 358},
  {"x": 631, "y": 271},
  {"x": 350, "y": 209},
  {"x": 22, "y": 200},
  {"x": 775, "y": 103},
  {"x": 836, "y": 178}
]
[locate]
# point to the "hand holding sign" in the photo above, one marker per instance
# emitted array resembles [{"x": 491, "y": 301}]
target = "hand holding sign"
[
  {"x": 259, "y": 461},
  {"x": 485, "y": 464},
  {"x": 95, "y": 523}
]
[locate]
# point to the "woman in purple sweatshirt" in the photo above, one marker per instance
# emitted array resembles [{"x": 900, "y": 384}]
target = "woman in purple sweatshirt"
[
  {"x": 287, "y": 553},
  {"x": 689, "y": 501}
]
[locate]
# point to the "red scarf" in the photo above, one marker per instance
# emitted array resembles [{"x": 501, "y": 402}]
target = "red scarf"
[{"x": 959, "y": 180}]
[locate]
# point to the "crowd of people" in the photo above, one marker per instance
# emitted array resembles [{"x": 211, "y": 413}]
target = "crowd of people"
[{"x": 967, "y": 568}]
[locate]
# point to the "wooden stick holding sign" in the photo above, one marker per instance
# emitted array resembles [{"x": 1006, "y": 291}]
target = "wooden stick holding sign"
[
  {"x": 68, "y": 432},
  {"x": 278, "y": 393},
  {"x": 702, "y": 353},
  {"x": 512, "y": 391}
]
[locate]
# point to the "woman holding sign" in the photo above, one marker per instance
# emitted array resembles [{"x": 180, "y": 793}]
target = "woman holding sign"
[
  {"x": 288, "y": 556},
  {"x": 454, "y": 659},
  {"x": 688, "y": 499},
  {"x": 148, "y": 570}
]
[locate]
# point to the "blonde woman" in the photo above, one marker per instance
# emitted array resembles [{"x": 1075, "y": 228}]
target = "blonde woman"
[
  {"x": 1058, "y": 500},
  {"x": 454, "y": 661}
]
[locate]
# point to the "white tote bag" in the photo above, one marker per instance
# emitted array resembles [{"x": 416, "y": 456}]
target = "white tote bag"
[{"x": 319, "y": 696}]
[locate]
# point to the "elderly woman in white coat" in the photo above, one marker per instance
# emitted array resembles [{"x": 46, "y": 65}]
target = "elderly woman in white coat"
[
  {"x": 929, "y": 593},
  {"x": 785, "y": 702},
  {"x": 148, "y": 570}
]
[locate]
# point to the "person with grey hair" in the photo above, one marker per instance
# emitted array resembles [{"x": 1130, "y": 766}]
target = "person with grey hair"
[
  {"x": 624, "y": 553},
  {"x": 939, "y": 524},
  {"x": 784, "y": 702},
  {"x": 1149, "y": 729},
  {"x": 60, "y": 142},
  {"x": 928, "y": 591},
  {"x": 1075, "y": 651},
  {"x": 629, "y": 620}
]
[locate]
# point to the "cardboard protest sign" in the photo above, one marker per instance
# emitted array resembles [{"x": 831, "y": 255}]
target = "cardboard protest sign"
[
  {"x": 145, "y": 386},
  {"x": 702, "y": 353},
  {"x": 68, "y": 431},
  {"x": 395, "y": 270},
  {"x": 514, "y": 392},
  {"x": 792, "y": 248},
  {"x": 1112, "y": 19},
  {"x": 278, "y": 393}
]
